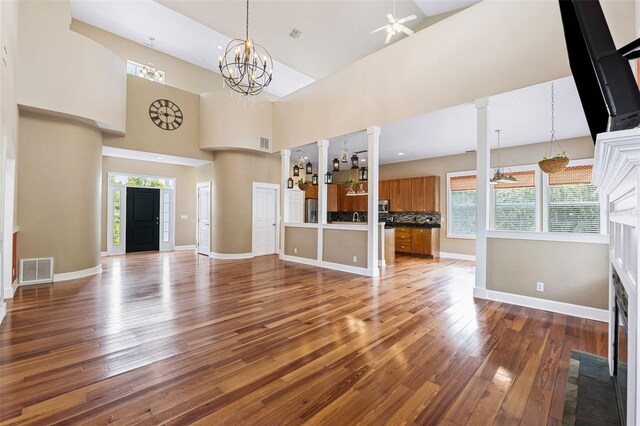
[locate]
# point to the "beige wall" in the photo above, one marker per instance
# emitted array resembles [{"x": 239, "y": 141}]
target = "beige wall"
[
  {"x": 144, "y": 135},
  {"x": 65, "y": 73},
  {"x": 484, "y": 50},
  {"x": 577, "y": 148},
  {"x": 304, "y": 240},
  {"x": 228, "y": 124},
  {"x": 185, "y": 193},
  {"x": 233, "y": 174},
  {"x": 340, "y": 246},
  {"x": 178, "y": 73},
  {"x": 575, "y": 273},
  {"x": 59, "y": 191}
]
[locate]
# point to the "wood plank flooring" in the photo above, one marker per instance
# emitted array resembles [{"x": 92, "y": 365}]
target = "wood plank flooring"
[{"x": 179, "y": 339}]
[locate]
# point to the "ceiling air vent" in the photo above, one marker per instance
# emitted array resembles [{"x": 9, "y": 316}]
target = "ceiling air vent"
[
  {"x": 265, "y": 143},
  {"x": 34, "y": 271},
  {"x": 295, "y": 33}
]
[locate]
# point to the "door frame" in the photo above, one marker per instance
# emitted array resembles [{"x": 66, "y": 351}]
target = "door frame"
[
  {"x": 122, "y": 248},
  {"x": 263, "y": 185},
  {"x": 198, "y": 186}
]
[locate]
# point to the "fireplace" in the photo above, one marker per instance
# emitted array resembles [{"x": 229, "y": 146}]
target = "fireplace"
[{"x": 620, "y": 340}]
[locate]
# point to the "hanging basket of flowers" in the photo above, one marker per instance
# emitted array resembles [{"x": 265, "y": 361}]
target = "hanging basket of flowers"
[
  {"x": 303, "y": 185},
  {"x": 553, "y": 163}
]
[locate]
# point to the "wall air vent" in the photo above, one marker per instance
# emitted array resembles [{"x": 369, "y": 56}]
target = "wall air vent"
[
  {"x": 265, "y": 143},
  {"x": 34, "y": 271}
]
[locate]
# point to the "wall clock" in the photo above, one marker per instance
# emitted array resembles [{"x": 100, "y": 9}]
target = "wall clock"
[{"x": 165, "y": 114}]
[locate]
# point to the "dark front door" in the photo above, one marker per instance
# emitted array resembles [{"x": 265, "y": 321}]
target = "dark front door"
[{"x": 143, "y": 222}]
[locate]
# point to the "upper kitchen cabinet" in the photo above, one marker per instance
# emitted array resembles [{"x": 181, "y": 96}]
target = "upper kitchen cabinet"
[
  {"x": 400, "y": 195},
  {"x": 383, "y": 190},
  {"x": 361, "y": 202},
  {"x": 425, "y": 194},
  {"x": 332, "y": 198},
  {"x": 311, "y": 192}
]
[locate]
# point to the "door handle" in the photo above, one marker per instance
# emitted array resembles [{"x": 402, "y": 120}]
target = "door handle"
[{"x": 274, "y": 224}]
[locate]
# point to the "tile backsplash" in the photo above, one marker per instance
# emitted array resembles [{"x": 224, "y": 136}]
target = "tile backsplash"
[{"x": 404, "y": 217}]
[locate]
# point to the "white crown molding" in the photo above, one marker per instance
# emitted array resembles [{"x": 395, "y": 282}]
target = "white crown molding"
[
  {"x": 77, "y": 274},
  {"x": 544, "y": 304},
  {"x": 459, "y": 256},
  {"x": 617, "y": 153},
  {"x": 230, "y": 256}
]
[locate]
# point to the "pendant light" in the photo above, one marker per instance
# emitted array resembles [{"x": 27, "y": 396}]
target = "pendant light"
[
  {"x": 499, "y": 176},
  {"x": 355, "y": 162},
  {"x": 336, "y": 164},
  {"x": 301, "y": 162},
  {"x": 363, "y": 173},
  {"x": 344, "y": 154},
  {"x": 328, "y": 178},
  {"x": 309, "y": 168},
  {"x": 296, "y": 170},
  {"x": 314, "y": 179},
  {"x": 246, "y": 67},
  {"x": 289, "y": 183}
]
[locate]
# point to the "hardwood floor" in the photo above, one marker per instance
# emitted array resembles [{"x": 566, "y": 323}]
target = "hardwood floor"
[{"x": 181, "y": 339}]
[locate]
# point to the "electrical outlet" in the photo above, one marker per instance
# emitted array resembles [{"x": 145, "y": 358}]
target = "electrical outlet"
[
  {"x": 355, "y": 259},
  {"x": 295, "y": 250},
  {"x": 540, "y": 286}
]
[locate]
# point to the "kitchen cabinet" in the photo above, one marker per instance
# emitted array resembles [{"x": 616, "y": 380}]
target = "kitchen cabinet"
[
  {"x": 332, "y": 198},
  {"x": 361, "y": 202},
  {"x": 400, "y": 195},
  {"x": 383, "y": 190},
  {"x": 345, "y": 202},
  {"x": 425, "y": 194},
  {"x": 418, "y": 241},
  {"x": 418, "y": 194},
  {"x": 311, "y": 192}
]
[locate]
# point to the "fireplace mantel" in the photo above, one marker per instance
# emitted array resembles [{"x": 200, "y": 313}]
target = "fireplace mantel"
[{"x": 617, "y": 176}]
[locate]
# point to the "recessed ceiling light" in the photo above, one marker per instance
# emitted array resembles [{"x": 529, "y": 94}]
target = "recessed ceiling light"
[
  {"x": 401, "y": 153},
  {"x": 159, "y": 158},
  {"x": 219, "y": 47}
]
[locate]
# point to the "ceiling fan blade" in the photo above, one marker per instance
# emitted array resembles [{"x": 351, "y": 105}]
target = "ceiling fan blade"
[
  {"x": 406, "y": 19},
  {"x": 389, "y": 35},
  {"x": 379, "y": 29},
  {"x": 391, "y": 18},
  {"x": 405, "y": 30}
]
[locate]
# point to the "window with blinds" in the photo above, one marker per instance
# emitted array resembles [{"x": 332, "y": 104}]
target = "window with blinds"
[
  {"x": 573, "y": 203},
  {"x": 462, "y": 199},
  {"x": 514, "y": 204}
]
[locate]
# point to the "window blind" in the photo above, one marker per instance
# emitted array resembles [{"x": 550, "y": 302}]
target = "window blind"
[
  {"x": 463, "y": 205},
  {"x": 574, "y": 203},
  {"x": 514, "y": 207},
  {"x": 463, "y": 183}
]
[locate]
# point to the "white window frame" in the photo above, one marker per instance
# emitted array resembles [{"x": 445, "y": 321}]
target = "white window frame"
[
  {"x": 545, "y": 201},
  {"x": 537, "y": 182},
  {"x": 450, "y": 233}
]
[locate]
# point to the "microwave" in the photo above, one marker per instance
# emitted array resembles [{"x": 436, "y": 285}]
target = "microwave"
[{"x": 383, "y": 206}]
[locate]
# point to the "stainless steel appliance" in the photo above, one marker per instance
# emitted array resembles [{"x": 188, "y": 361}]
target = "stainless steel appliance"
[
  {"x": 311, "y": 210},
  {"x": 383, "y": 206}
]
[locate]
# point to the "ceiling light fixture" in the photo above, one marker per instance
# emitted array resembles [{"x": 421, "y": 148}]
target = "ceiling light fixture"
[
  {"x": 500, "y": 176},
  {"x": 395, "y": 25},
  {"x": 401, "y": 153},
  {"x": 246, "y": 67}
]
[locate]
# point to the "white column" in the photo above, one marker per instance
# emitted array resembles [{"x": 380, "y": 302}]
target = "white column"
[
  {"x": 483, "y": 150},
  {"x": 373, "y": 148},
  {"x": 323, "y": 154},
  {"x": 285, "y": 159}
]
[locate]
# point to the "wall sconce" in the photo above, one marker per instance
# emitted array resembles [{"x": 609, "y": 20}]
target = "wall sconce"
[
  {"x": 363, "y": 175},
  {"x": 309, "y": 168},
  {"x": 296, "y": 170},
  {"x": 336, "y": 165},
  {"x": 314, "y": 179},
  {"x": 328, "y": 178},
  {"x": 289, "y": 183},
  {"x": 354, "y": 161}
]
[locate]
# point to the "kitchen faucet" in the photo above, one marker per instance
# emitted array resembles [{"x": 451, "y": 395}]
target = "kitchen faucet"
[{"x": 356, "y": 217}]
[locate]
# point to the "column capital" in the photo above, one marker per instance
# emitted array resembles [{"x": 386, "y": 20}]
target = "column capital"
[
  {"x": 285, "y": 152},
  {"x": 373, "y": 130},
  {"x": 323, "y": 143},
  {"x": 482, "y": 103}
]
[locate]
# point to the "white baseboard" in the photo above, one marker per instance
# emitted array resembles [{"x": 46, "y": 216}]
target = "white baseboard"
[
  {"x": 10, "y": 291},
  {"x": 446, "y": 255},
  {"x": 230, "y": 256},
  {"x": 480, "y": 293},
  {"x": 303, "y": 260},
  {"x": 3, "y": 311},
  {"x": 185, "y": 248},
  {"x": 545, "y": 305},
  {"x": 104, "y": 254},
  {"x": 77, "y": 274},
  {"x": 382, "y": 264}
]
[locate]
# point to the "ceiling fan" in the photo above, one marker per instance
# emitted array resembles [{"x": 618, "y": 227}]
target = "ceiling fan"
[{"x": 395, "y": 25}]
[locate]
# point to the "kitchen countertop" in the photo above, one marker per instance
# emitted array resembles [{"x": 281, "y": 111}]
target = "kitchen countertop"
[{"x": 411, "y": 225}]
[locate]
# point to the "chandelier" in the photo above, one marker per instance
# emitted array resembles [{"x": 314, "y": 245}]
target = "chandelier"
[
  {"x": 151, "y": 73},
  {"x": 244, "y": 65}
]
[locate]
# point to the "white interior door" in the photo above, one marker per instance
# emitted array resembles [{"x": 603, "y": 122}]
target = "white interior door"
[
  {"x": 204, "y": 217},
  {"x": 295, "y": 206},
  {"x": 265, "y": 220}
]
